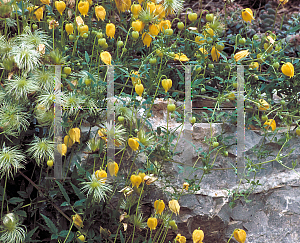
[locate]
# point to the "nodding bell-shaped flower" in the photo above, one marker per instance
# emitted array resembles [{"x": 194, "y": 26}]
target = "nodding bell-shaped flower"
[
  {"x": 215, "y": 54},
  {"x": 240, "y": 235},
  {"x": 241, "y": 54},
  {"x": 136, "y": 180},
  {"x": 139, "y": 89},
  {"x": 101, "y": 175},
  {"x": 83, "y": 7},
  {"x": 113, "y": 168},
  {"x": 135, "y": 78},
  {"x": 39, "y": 13},
  {"x": 60, "y": 6},
  {"x": 159, "y": 206},
  {"x": 133, "y": 143},
  {"x": 147, "y": 39},
  {"x": 288, "y": 69},
  {"x": 110, "y": 30},
  {"x": 263, "y": 105},
  {"x": 174, "y": 206},
  {"x": 68, "y": 141},
  {"x": 77, "y": 220},
  {"x": 198, "y": 236},
  {"x": 154, "y": 29},
  {"x": 270, "y": 123},
  {"x": 180, "y": 238},
  {"x": 69, "y": 28},
  {"x": 247, "y": 15},
  {"x": 105, "y": 57},
  {"x": 62, "y": 149},
  {"x": 136, "y": 9},
  {"x": 152, "y": 223},
  {"x": 83, "y": 29},
  {"x": 138, "y": 25},
  {"x": 100, "y": 12},
  {"x": 74, "y": 134},
  {"x": 167, "y": 84}
]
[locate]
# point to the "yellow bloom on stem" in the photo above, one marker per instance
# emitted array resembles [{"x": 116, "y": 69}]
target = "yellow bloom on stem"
[
  {"x": 62, "y": 149},
  {"x": 68, "y": 141},
  {"x": 174, "y": 206},
  {"x": 199, "y": 39},
  {"x": 186, "y": 186},
  {"x": 101, "y": 134},
  {"x": 254, "y": 65},
  {"x": 270, "y": 123},
  {"x": 39, "y": 13},
  {"x": 138, "y": 25},
  {"x": 151, "y": 6},
  {"x": 247, "y": 15},
  {"x": 180, "y": 238},
  {"x": 263, "y": 105},
  {"x": 215, "y": 54},
  {"x": 60, "y": 6},
  {"x": 167, "y": 84},
  {"x": 53, "y": 24},
  {"x": 164, "y": 24},
  {"x": 284, "y": 1},
  {"x": 133, "y": 143},
  {"x": 198, "y": 236},
  {"x": 69, "y": 28},
  {"x": 241, "y": 54},
  {"x": 113, "y": 168},
  {"x": 159, "y": 206},
  {"x": 77, "y": 220},
  {"x": 152, "y": 223},
  {"x": 142, "y": 175},
  {"x": 101, "y": 175},
  {"x": 288, "y": 69},
  {"x": 139, "y": 89},
  {"x": 240, "y": 235},
  {"x": 100, "y": 12},
  {"x": 136, "y": 9},
  {"x": 74, "y": 133},
  {"x": 83, "y": 29},
  {"x": 110, "y": 30},
  {"x": 123, "y": 5},
  {"x": 79, "y": 21},
  {"x": 160, "y": 11},
  {"x": 83, "y": 7},
  {"x": 136, "y": 180},
  {"x": 47, "y": 2},
  {"x": 181, "y": 57},
  {"x": 147, "y": 39},
  {"x": 135, "y": 77},
  {"x": 105, "y": 57},
  {"x": 153, "y": 29}
]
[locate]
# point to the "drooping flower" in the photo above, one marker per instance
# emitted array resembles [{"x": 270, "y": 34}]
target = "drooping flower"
[
  {"x": 147, "y": 39},
  {"x": 77, "y": 220},
  {"x": 174, "y": 206},
  {"x": 181, "y": 57},
  {"x": 180, "y": 238},
  {"x": 133, "y": 143},
  {"x": 240, "y": 235},
  {"x": 198, "y": 236},
  {"x": 160, "y": 11},
  {"x": 69, "y": 28},
  {"x": 113, "y": 168},
  {"x": 164, "y": 24},
  {"x": 83, "y": 29},
  {"x": 284, "y": 1},
  {"x": 215, "y": 54},
  {"x": 186, "y": 186},
  {"x": 105, "y": 57},
  {"x": 62, "y": 149},
  {"x": 53, "y": 24},
  {"x": 136, "y": 9},
  {"x": 100, "y": 12},
  {"x": 68, "y": 141},
  {"x": 79, "y": 21},
  {"x": 263, "y": 105},
  {"x": 254, "y": 65},
  {"x": 135, "y": 78},
  {"x": 136, "y": 180},
  {"x": 123, "y": 5},
  {"x": 153, "y": 29},
  {"x": 152, "y": 223},
  {"x": 159, "y": 206},
  {"x": 138, "y": 25},
  {"x": 74, "y": 133},
  {"x": 60, "y": 6},
  {"x": 288, "y": 69},
  {"x": 247, "y": 15},
  {"x": 47, "y": 2},
  {"x": 83, "y": 7},
  {"x": 139, "y": 89},
  {"x": 151, "y": 6},
  {"x": 39, "y": 13},
  {"x": 101, "y": 175},
  {"x": 167, "y": 84},
  {"x": 270, "y": 123},
  {"x": 110, "y": 30},
  {"x": 241, "y": 54}
]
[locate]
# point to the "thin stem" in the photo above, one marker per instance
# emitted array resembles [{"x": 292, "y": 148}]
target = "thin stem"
[{"x": 3, "y": 194}]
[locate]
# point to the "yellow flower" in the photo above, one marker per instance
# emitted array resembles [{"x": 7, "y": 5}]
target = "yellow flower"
[
  {"x": 39, "y": 13},
  {"x": 142, "y": 175},
  {"x": 151, "y": 6},
  {"x": 69, "y": 28},
  {"x": 68, "y": 141},
  {"x": 74, "y": 133},
  {"x": 288, "y": 69},
  {"x": 77, "y": 220},
  {"x": 60, "y": 6},
  {"x": 181, "y": 57},
  {"x": 101, "y": 134},
  {"x": 110, "y": 30},
  {"x": 133, "y": 143},
  {"x": 215, "y": 54},
  {"x": 100, "y": 12},
  {"x": 174, "y": 206},
  {"x": 159, "y": 206},
  {"x": 62, "y": 149},
  {"x": 83, "y": 29},
  {"x": 152, "y": 223},
  {"x": 186, "y": 186},
  {"x": 247, "y": 15},
  {"x": 135, "y": 77},
  {"x": 135, "y": 10},
  {"x": 180, "y": 238},
  {"x": 202, "y": 49},
  {"x": 136, "y": 180},
  {"x": 284, "y": 1},
  {"x": 105, "y": 57},
  {"x": 270, "y": 123},
  {"x": 240, "y": 235},
  {"x": 30, "y": 9},
  {"x": 254, "y": 65},
  {"x": 139, "y": 89},
  {"x": 101, "y": 175},
  {"x": 153, "y": 29},
  {"x": 198, "y": 236},
  {"x": 47, "y": 2},
  {"x": 160, "y": 11},
  {"x": 209, "y": 31},
  {"x": 138, "y": 25},
  {"x": 113, "y": 168},
  {"x": 147, "y": 39},
  {"x": 164, "y": 24},
  {"x": 199, "y": 39},
  {"x": 263, "y": 105},
  {"x": 83, "y": 7},
  {"x": 241, "y": 54},
  {"x": 123, "y": 5},
  {"x": 167, "y": 84},
  {"x": 53, "y": 24},
  {"x": 79, "y": 21}
]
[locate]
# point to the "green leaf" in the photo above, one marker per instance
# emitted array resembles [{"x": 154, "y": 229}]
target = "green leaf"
[
  {"x": 15, "y": 200},
  {"x": 79, "y": 194},
  {"x": 50, "y": 224},
  {"x": 63, "y": 191},
  {"x": 21, "y": 213},
  {"x": 121, "y": 237},
  {"x": 29, "y": 234},
  {"x": 87, "y": 58},
  {"x": 79, "y": 203}
]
